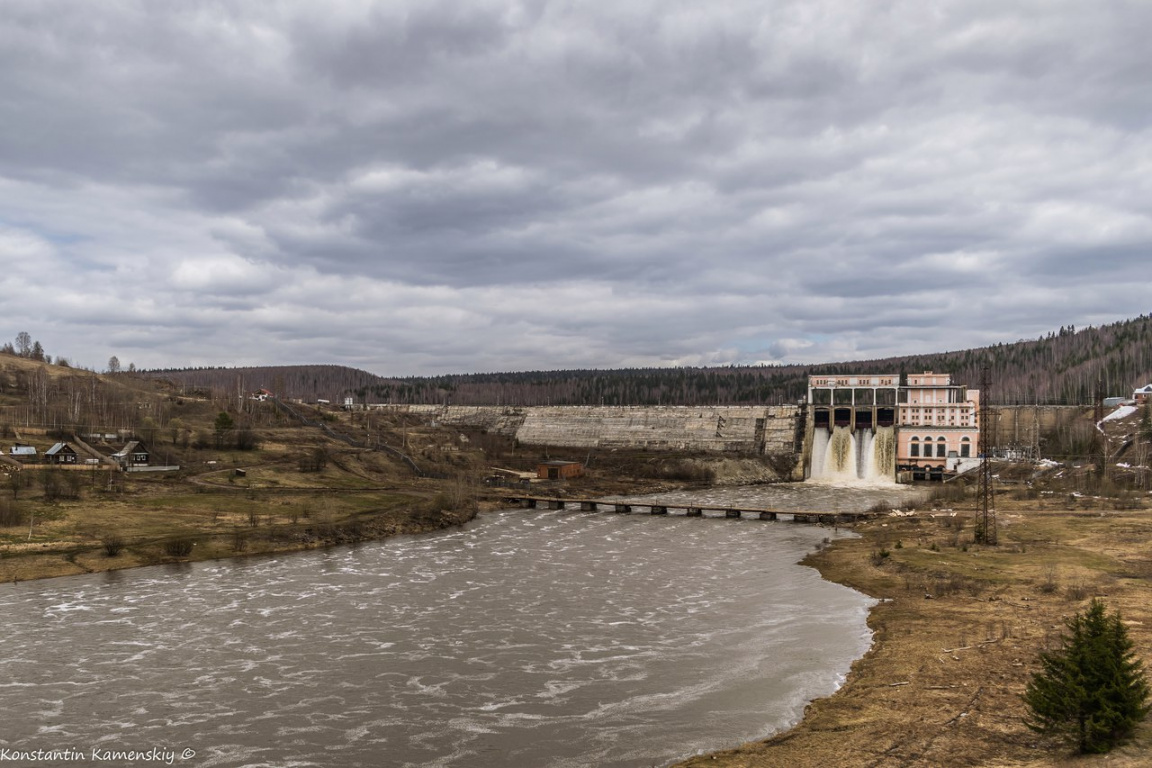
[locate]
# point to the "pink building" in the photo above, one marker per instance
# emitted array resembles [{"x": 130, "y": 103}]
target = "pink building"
[{"x": 936, "y": 421}]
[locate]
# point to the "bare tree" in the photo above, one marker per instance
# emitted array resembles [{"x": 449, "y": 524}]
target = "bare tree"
[
  {"x": 113, "y": 364},
  {"x": 23, "y": 344}
]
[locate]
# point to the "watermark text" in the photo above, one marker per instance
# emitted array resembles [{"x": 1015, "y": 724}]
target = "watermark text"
[{"x": 161, "y": 755}]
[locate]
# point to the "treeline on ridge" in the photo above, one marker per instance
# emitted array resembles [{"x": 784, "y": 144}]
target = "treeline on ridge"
[{"x": 1066, "y": 367}]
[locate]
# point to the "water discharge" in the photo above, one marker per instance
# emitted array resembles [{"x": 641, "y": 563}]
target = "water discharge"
[
  {"x": 863, "y": 457},
  {"x": 527, "y": 638}
]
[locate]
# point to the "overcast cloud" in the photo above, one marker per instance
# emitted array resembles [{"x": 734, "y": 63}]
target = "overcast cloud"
[{"x": 423, "y": 186}]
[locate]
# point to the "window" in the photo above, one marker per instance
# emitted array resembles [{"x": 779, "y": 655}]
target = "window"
[
  {"x": 941, "y": 450},
  {"x": 965, "y": 447},
  {"x": 914, "y": 448}
]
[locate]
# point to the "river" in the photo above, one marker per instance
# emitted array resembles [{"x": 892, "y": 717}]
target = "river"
[{"x": 535, "y": 638}]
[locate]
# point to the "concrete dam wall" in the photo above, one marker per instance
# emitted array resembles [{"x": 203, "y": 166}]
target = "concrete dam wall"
[
  {"x": 747, "y": 430},
  {"x": 762, "y": 429}
]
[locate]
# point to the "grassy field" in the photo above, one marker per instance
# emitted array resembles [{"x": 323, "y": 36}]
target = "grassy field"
[
  {"x": 957, "y": 633},
  {"x": 96, "y": 534}
]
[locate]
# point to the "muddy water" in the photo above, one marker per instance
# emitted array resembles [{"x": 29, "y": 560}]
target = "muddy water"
[{"x": 526, "y": 639}]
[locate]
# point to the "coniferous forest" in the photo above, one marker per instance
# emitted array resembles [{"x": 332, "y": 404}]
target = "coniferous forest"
[{"x": 1071, "y": 366}]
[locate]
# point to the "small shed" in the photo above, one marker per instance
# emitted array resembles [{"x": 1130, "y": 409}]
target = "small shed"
[
  {"x": 22, "y": 452},
  {"x": 133, "y": 454},
  {"x": 60, "y": 453},
  {"x": 1143, "y": 394},
  {"x": 559, "y": 470}
]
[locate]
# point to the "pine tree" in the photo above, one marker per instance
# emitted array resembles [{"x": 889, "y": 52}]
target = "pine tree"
[{"x": 1091, "y": 691}]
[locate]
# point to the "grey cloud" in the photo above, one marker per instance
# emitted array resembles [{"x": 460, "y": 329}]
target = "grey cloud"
[{"x": 459, "y": 187}]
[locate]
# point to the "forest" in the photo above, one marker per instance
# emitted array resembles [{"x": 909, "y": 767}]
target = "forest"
[{"x": 1070, "y": 366}]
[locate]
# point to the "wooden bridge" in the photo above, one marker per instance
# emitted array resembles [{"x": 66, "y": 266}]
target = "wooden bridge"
[{"x": 655, "y": 508}]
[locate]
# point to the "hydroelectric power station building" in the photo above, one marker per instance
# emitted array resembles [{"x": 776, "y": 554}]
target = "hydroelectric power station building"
[{"x": 876, "y": 428}]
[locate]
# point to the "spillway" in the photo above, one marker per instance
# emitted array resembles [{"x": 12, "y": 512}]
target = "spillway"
[{"x": 846, "y": 456}]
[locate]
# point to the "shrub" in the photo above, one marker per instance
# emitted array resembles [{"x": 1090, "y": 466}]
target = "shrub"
[
  {"x": 246, "y": 440},
  {"x": 179, "y": 547},
  {"x": 113, "y": 543},
  {"x": 313, "y": 461},
  {"x": 1075, "y": 591}
]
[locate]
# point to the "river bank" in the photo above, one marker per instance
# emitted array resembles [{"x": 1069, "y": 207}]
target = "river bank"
[
  {"x": 956, "y": 636},
  {"x": 114, "y": 538}
]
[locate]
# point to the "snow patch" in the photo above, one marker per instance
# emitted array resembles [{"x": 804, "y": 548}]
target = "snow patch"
[{"x": 1122, "y": 412}]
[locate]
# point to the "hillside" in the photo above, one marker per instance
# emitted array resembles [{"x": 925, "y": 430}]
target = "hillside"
[{"x": 1066, "y": 367}]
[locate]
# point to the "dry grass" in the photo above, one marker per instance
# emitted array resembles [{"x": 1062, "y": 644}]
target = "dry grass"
[
  {"x": 957, "y": 637},
  {"x": 69, "y": 537}
]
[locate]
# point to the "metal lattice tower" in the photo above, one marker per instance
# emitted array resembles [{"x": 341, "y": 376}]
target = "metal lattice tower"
[{"x": 986, "y": 517}]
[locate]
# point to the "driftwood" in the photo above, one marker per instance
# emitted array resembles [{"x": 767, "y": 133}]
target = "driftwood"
[
  {"x": 969, "y": 647},
  {"x": 893, "y": 685}
]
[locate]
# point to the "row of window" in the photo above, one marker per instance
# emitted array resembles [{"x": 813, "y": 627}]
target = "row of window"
[{"x": 941, "y": 448}]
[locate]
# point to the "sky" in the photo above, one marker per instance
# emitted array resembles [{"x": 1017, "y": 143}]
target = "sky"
[{"x": 418, "y": 187}]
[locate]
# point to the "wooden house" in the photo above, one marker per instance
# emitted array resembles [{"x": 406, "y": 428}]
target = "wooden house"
[
  {"x": 61, "y": 453},
  {"x": 133, "y": 454}
]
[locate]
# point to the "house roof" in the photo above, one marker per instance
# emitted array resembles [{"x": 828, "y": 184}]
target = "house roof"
[
  {"x": 133, "y": 446},
  {"x": 1146, "y": 389},
  {"x": 58, "y": 448},
  {"x": 22, "y": 450}
]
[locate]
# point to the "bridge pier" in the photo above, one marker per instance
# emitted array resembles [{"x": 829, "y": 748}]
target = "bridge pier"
[
  {"x": 657, "y": 510},
  {"x": 695, "y": 512},
  {"x": 767, "y": 515},
  {"x": 732, "y": 513},
  {"x": 530, "y": 503},
  {"x": 799, "y": 518},
  {"x": 623, "y": 509},
  {"x": 555, "y": 505},
  {"x": 587, "y": 506}
]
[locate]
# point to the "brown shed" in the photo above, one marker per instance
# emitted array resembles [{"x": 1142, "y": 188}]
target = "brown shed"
[{"x": 559, "y": 470}]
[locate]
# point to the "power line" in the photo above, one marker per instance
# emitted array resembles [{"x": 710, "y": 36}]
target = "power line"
[{"x": 986, "y": 517}]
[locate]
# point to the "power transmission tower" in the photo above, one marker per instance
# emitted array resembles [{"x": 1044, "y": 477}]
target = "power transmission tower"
[{"x": 986, "y": 516}]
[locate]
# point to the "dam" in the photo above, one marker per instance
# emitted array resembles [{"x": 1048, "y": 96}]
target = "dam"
[
  {"x": 744, "y": 430},
  {"x": 850, "y": 429}
]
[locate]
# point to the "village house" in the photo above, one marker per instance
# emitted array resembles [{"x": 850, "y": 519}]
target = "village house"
[
  {"x": 134, "y": 454},
  {"x": 61, "y": 453},
  {"x": 1142, "y": 395}
]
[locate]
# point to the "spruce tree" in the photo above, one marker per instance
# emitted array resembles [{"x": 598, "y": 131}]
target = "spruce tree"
[{"x": 1091, "y": 691}]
